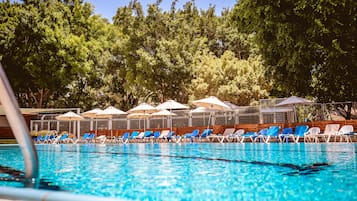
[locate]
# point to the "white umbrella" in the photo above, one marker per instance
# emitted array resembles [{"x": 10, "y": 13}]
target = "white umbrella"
[
  {"x": 171, "y": 105},
  {"x": 202, "y": 110},
  {"x": 212, "y": 103},
  {"x": 293, "y": 101},
  {"x": 109, "y": 112},
  {"x": 92, "y": 114},
  {"x": 143, "y": 108},
  {"x": 69, "y": 116},
  {"x": 164, "y": 113},
  {"x": 139, "y": 115}
]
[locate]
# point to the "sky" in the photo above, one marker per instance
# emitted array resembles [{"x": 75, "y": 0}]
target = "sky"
[{"x": 107, "y": 8}]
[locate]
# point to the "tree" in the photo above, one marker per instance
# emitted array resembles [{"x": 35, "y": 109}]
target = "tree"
[
  {"x": 309, "y": 46},
  {"x": 46, "y": 46},
  {"x": 236, "y": 80}
]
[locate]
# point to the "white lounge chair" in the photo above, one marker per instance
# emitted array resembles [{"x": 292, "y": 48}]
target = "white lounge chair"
[
  {"x": 311, "y": 134},
  {"x": 235, "y": 136},
  {"x": 345, "y": 133},
  {"x": 221, "y": 137},
  {"x": 330, "y": 130},
  {"x": 163, "y": 135}
]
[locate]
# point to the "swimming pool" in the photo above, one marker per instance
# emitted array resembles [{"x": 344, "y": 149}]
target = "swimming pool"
[{"x": 197, "y": 171}]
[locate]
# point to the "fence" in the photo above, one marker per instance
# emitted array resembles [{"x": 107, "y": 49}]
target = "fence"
[{"x": 265, "y": 113}]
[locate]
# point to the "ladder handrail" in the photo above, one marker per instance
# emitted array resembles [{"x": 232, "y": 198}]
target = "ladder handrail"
[{"x": 20, "y": 130}]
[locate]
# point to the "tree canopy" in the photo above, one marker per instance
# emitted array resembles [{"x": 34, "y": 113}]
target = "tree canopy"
[
  {"x": 309, "y": 46},
  {"x": 60, "y": 54}
]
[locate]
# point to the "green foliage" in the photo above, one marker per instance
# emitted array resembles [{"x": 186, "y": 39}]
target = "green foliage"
[
  {"x": 309, "y": 46},
  {"x": 47, "y": 45},
  {"x": 229, "y": 78},
  {"x": 157, "y": 54}
]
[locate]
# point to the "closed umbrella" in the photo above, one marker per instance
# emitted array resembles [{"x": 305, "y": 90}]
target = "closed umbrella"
[
  {"x": 212, "y": 103},
  {"x": 69, "y": 116},
  {"x": 171, "y": 105},
  {"x": 109, "y": 112}
]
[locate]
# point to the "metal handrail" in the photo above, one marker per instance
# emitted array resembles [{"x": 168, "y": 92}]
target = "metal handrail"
[{"x": 20, "y": 130}]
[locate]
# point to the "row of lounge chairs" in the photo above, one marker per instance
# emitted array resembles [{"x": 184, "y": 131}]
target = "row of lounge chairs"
[
  {"x": 63, "y": 138},
  {"x": 313, "y": 134},
  {"x": 266, "y": 135}
]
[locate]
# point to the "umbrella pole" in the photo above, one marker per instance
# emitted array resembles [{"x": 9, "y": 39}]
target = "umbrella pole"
[
  {"x": 96, "y": 126},
  {"x": 111, "y": 128},
  {"x": 69, "y": 129}
]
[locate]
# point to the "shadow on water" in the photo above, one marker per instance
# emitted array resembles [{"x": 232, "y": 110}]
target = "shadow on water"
[{"x": 19, "y": 176}]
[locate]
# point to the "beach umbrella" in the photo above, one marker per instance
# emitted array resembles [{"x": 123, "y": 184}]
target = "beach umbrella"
[
  {"x": 163, "y": 113},
  {"x": 202, "y": 110},
  {"x": 212, "y": 103},
  {"x": 139, "y": 115},
  {"x": 92, "y": 114},
  {"x": 143, "y": 108},
  {"x": 109, "y": 112},
  {"x": 293, "y": 101},
  {"x": 171, "y": 105},
  {"x": 69, "y": 116}
]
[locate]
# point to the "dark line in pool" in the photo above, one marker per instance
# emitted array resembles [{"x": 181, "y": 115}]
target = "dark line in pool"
[
  {"x": 296, "y": 169},
  {"x": 19, "y": 176}
]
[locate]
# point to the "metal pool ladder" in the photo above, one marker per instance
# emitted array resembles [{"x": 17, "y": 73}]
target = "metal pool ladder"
[{"x": 21, "y": 132}]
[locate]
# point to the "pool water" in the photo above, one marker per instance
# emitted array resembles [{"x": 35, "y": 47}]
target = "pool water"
[{"x": 197, "y": 171}]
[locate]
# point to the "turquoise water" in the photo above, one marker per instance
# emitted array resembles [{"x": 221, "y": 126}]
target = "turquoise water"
[{"x": 197, "y": 171}]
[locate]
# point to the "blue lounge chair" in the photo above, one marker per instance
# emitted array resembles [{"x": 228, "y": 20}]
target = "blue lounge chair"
[
  {"x": 90, "y": 137},
  {"x": 205, "y": 134},
  {"x": 146, "y": 136},
  {"x": 133, "y": 135},
  {"x": 300, "y": 131},
  {"x": 285, "y": 133},
  {"x": 123, "y": 139},
  {"x": 172, "y": 136},
  {"x": 155, "y": 136},
  {"x": 195, "y": 134},
  {"x": 273, "y": 132},
  {"x": 253, "y": 135}
]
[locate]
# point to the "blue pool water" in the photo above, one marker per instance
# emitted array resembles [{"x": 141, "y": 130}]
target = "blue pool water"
[{"x": 197, "y": 171}]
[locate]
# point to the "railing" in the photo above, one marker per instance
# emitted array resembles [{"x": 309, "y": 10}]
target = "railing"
[{"x": 21, "y": 132}]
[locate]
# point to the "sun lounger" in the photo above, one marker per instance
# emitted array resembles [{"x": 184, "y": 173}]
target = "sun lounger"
[
  {"x": 345, "y": 133},
  {"x": 300, "y": 132},
  {"x": 220, "y": 137},
  {"x": 272, "y": 133},
  {"x": 311, "y": 134},
  {"x": 330, "y": 130},
  {"x": 205, "y": 134},
  {"x": 285, "y": 134},
  {"x": 235, "y": 136},
  {"x": 253, "y": 135},
  {"x": 190, "y": 136},
  {"x": 163, "y": 135}
]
